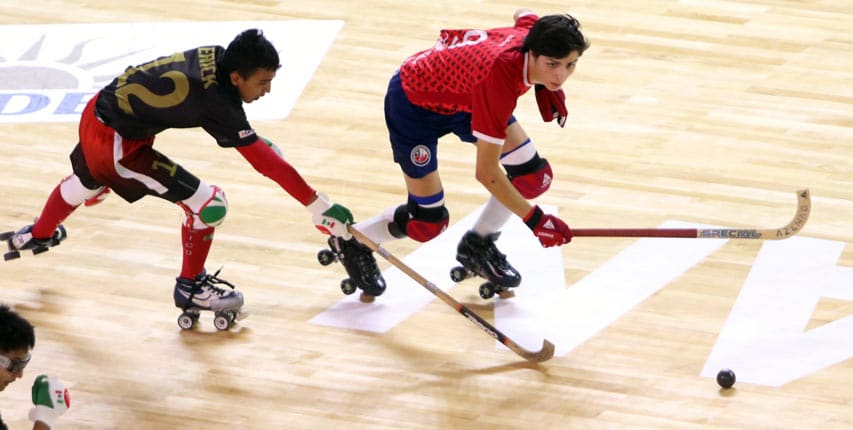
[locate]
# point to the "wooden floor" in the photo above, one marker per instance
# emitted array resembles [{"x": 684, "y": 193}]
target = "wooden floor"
[{"x": 710, "y": 112}]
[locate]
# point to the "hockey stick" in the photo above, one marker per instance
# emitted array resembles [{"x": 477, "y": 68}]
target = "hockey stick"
[
  {"x": 797, "y": 223},
  {"x": 543, "y": 354}
]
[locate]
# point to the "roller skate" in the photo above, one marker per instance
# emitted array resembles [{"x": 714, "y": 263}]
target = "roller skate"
[
  {"x": 360, "y": 265},
  {"x": 23, "y": 240},
  {"x": 204, "y": 294},
  {"x": 480, "y": 257}
]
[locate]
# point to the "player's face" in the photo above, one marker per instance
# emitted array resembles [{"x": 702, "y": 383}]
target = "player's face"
[
  {"x": 7, "y": 377},
  {"x": 255, "y": 86},
  {"x": 550, "y": 71}
]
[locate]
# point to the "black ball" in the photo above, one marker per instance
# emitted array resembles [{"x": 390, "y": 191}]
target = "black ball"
[{"x": 726, "y": 378}]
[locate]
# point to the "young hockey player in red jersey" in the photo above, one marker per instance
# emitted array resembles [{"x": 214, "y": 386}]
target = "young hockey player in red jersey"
[{"x": 468, "y": 84}]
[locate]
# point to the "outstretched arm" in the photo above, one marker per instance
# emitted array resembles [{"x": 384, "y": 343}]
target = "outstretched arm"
[
  {"x": 328, "y": 217},
  {"x": 264, "y": 159}
]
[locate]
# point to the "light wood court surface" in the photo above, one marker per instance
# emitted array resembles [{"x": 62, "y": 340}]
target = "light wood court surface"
[{"x": 710, "y": 112}]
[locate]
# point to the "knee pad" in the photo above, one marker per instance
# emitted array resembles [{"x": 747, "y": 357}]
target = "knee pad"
[
  {"x": 75, "y": 193},
  {"x": 210, "y": 212},
  {"x": 532, "y": 178},
  {"x": 420, "y": 223}
]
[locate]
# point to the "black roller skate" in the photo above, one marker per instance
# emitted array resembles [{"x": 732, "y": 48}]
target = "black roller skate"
[
  {"x": 480, "y": 257},
  {"x": 23, "y": 240},
  {"x": 360, "y": 265},
  {"x": 204, "y": 294}
]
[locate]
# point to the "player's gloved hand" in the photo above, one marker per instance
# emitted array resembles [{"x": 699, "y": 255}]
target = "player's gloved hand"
[
  {"x": 330, "y": 218},
  {"x": 51, "y": 399},
  {"x": 552, "y": 104},
  {"x": 550, "y": 230}
]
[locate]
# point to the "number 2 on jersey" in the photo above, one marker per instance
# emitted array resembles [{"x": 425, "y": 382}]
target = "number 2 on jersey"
[{"x": 125, "y": 90}]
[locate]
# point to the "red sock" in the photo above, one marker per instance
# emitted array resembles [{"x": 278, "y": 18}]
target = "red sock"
[
  {"x": 56, "y": 209},
  {"x": 196, "y": 245}
]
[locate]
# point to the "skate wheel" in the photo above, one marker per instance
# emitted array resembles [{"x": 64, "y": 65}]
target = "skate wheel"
[
  {"x": 37, "y": 251},
  {"x": 487, "y": 291},
  {"x": 326, "y": 257},
  {"x": 347, "y": 287},
  {"x": 11, "y": 255},
  {"x": 222, "y": 321},
  {"x": 458, "y": 274},
  {"x": 187, "y": 320},
  {"x": 366, "y": 298}
]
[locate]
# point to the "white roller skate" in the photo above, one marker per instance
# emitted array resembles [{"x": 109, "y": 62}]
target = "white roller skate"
[
  {"x": 480, "y": 257},
  {"x": 204, "y": 294},
  {"x": 23, "y": 240},
  {"x": 361, "y": 267}
]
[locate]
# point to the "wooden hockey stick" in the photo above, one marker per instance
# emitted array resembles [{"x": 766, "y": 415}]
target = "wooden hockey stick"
[
  {"x": 543, "y": 354},
  {"x": 797, "y": 223}
]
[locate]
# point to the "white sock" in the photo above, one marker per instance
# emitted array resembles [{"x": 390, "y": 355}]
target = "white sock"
[
  {"x": 495, "y": 214},
  {"x": 376, "y": 228},
  {"x": 493, "y": 218}
]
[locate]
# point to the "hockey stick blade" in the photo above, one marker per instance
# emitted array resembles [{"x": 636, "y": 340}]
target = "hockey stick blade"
[
  {"x": 544, "y": 354},
  {"x": 800, "y": 218}
]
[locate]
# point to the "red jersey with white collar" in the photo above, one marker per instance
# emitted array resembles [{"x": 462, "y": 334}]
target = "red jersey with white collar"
[{"x": 477, "y": 71}]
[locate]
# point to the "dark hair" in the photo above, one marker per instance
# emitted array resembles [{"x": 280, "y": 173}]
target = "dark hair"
[
  {"x": 555, "y": 36},
  {"x": 249, "y": 51},
  {"x": 15, "y": 332}
]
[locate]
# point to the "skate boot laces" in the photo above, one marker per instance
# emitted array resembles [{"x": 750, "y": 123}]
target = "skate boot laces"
[
  {"x": 503, "y": 273},
  {"x": 209, "y": 282},
  {"x": 474, "y": 244},
  {"x": 360, "y": 264},
  {"x": 480, "y": 255},
  {"x": 205, "y": 291},
  {"x": 366, "y": 262},
  {"x": 493, "y": 255},
  {"x": 363, "y": 259}
]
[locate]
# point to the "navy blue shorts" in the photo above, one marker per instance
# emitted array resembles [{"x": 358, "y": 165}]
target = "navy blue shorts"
[{"x": 414, "y": 131}]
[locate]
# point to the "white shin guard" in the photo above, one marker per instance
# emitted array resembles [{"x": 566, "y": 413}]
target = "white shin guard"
[{"x": 73, "y": 191}]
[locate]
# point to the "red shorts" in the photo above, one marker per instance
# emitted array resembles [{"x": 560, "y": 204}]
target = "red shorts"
[{"x": 131, "y": 167}]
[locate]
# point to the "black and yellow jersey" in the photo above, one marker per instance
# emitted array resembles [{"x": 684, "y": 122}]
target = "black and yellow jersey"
[{"x": 182, "y": 90}]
